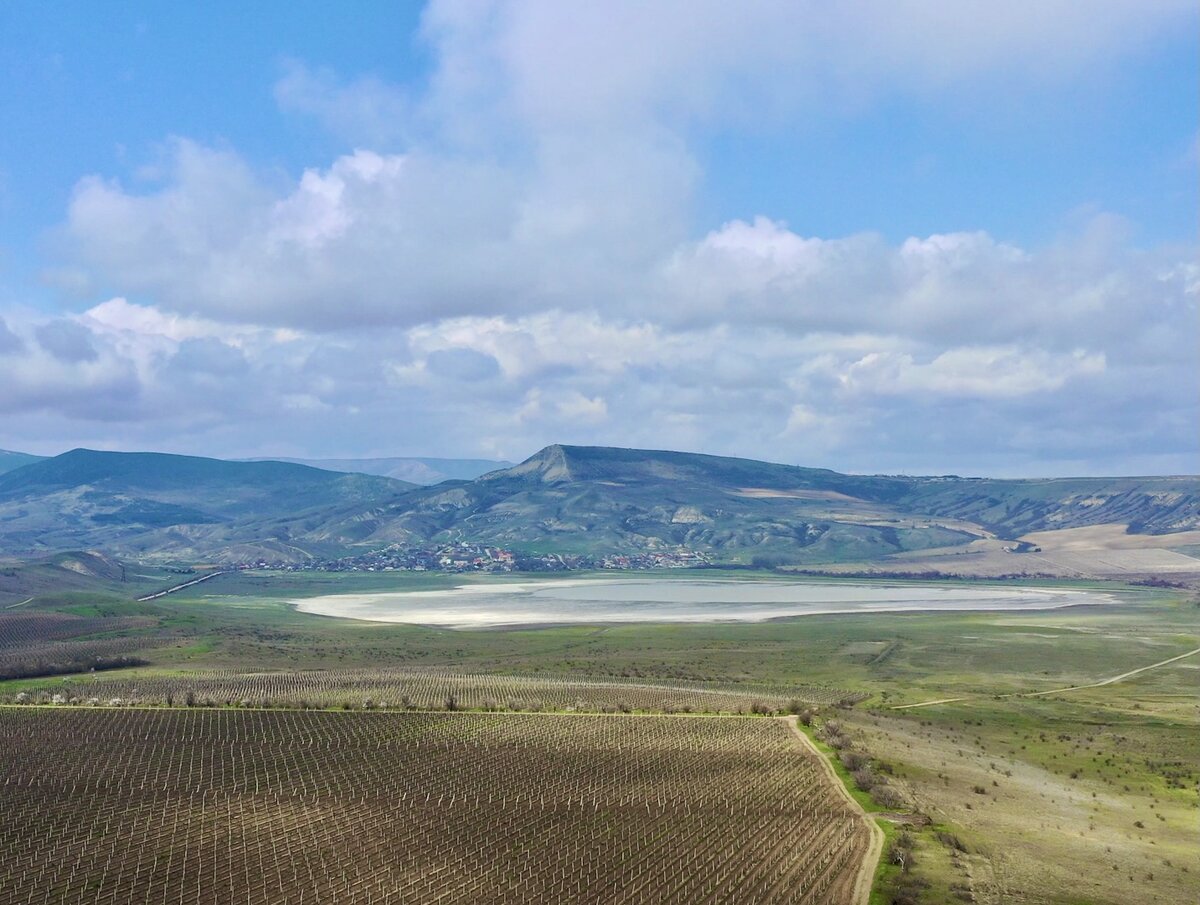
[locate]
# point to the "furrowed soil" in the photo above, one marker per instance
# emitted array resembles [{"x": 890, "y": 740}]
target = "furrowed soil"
[{"x": 212, "y": 806}]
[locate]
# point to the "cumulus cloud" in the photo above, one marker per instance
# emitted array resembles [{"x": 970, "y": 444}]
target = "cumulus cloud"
[
  {"x": 508, "y": 257},
  {"x": 367, "y": 111},
  {"x": 58, "y": 365},
  {"x": 66, "y": 340},
  {"x": 970, "y": 372},
  {"x": 462, "y": 364},
  {"x": 554, "y": 64},
  {"x": 505, "y": 385},
  {"x": 9, "y": 341}
]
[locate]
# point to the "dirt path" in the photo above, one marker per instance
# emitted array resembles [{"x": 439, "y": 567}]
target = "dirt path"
[
  {"x": 928, "y": 703},
  {"x": 180, "y": 587},
  {"x": 866, "y": 871},
  {"x": 1110, "y": 681},
  {"x": 1037, "y": 694}
]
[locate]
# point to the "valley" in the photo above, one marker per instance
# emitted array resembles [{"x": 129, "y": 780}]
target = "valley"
[{"x": 1010, "y": 701}]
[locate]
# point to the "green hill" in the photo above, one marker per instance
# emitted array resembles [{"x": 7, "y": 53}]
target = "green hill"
[
  {"x": 594, "y": 500},
  {"x": 414, "y": 469},
  {"x": 138, "y": 503},
  {"x": 598, "y": 499}
]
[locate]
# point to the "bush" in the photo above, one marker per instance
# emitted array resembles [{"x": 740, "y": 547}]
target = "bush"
[
  {"x": 864, "y": 779},
  {"x": 900, "y": 852},
  {"x": 852, "y": 760},
  {"x": 909, "y": 890},
  {"x": 887, "y": 797}
]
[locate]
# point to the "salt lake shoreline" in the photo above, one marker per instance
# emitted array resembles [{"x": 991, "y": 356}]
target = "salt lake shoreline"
[{"x": 535, "y": 604}]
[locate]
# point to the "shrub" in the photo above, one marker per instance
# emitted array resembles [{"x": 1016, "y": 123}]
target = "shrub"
[
  {"x": 864, "y": 779},
  {"x": 887, "y": 797},
  {"x": 852, "y": 760}
]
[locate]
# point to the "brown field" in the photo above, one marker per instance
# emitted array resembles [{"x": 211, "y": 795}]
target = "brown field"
[
  {"x": 1090, "y": 552},
  {"x": 208, "y": 806}
]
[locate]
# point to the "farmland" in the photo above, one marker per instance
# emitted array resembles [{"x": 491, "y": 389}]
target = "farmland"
[
  {"x": 1011, "y": 791},
  {"x": 380, "y": 689},
  {"x": 193, "y": 805}
]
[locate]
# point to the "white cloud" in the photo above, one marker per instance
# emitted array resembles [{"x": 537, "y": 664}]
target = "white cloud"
[
  {"x": 509, "y": 258},
  {"x": 66, "y": 340},
  {"x": 9, "y": 341},
  {"x": 366, "y": 111},
  {"x": 562, "y": 65},
  {"x": 972, "y": 372},
  {"x": 118, "y": 315},
  {"x": 576, "y": 407},
  {"x": 507, "y": 385}
]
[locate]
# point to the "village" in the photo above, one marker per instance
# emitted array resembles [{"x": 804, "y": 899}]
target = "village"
[{"x": 469, "y": 557}]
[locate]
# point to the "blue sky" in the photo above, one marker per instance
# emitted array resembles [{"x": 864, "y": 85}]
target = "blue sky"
[{"x": 781, "y": 231}]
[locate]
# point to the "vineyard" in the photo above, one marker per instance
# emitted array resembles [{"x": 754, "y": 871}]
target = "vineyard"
[
  {"x": 380, "y": 689},
  {"x": 21, "y": 629},
  {"x": 214, "y": 806},
  {"x": 39, "y": 644}
]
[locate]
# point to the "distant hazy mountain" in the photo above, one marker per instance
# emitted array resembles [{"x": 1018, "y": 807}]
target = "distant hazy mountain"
[
  {"x": 415, "y": 470},
  {"x": 137, "y": 503},
  {"x": 599, "y": 499},
  {"x": 10, "y": 460}
]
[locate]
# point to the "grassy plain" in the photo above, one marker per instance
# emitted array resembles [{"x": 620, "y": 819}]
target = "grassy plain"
[{"x": 1088, "y": 795}]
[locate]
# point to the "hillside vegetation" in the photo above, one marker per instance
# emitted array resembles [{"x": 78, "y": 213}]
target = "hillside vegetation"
[
  {"x": 563, "y": 499},
  {"x": 156, "y": 503},
  {"x": 413, "y": 469},
  {"x": 596, "y": 498}
]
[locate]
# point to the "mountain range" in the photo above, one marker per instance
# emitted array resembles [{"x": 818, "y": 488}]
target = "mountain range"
[
  {"x": 414, "y": 469},
  {"x": 562, "y": 499},
  {"x": 155, "y": 503},
  {"x": 10, "y": 460}
]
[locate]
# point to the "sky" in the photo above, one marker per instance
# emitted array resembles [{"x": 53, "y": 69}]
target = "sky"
[{"x": 901, "y": 236}]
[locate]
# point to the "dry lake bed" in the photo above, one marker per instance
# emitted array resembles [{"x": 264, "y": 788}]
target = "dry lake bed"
[{"x": 601, "y": 600}]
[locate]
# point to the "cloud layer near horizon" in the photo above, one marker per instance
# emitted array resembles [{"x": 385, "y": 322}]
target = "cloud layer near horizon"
[{"x": 509, "y": 259}]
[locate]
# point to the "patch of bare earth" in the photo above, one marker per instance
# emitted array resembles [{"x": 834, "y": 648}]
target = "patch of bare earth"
[{"x": 1105, "y": 551}]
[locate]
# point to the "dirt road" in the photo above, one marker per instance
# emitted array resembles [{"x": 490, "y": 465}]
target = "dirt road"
[
  {"x": 180, "y": 587},
  {"x": 866, "y": 872},
  {"x": 928, "y": 703},
  {"x": 1109, "y": 681},
  {"x": 1037, "y": 694}
]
